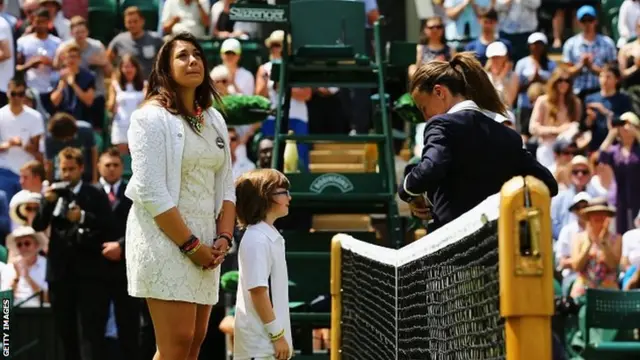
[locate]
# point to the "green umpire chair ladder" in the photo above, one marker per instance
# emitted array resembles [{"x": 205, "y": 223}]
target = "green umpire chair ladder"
[{"x": 329, "y": 50}]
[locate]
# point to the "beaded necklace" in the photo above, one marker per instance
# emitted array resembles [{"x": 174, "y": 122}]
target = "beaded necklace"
[{"x": 197, "y": 121}]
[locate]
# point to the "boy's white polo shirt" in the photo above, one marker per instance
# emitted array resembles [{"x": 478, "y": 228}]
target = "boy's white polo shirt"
[{"x": 261, "y": 254}]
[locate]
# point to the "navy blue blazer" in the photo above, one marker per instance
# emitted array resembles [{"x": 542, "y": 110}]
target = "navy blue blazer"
[{"x": 467, "y": 157}]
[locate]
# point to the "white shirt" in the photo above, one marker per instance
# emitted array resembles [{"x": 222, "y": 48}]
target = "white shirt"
[
  {"x": 39, "y": 77},
  {"x": 248, "y": 28},
  {"x": 627, "y": 20},
  {"x": 518, "y": 16},
  {"x": 23, "y": 291},
  {"x": 107, "y": 187},
  {"x": 262, "y": 263},
  {"x": 26, "y": 125},
  {"x": 631, "y": 246},
  {"x": 297, "y": 109},
  {"x": 241, "y": 166},
  {"x": 62, "y": 25},
  {"x": 189, "y": 16},
  {"x": 7, "y": 67},
  {"x": 563, "y": 246}
]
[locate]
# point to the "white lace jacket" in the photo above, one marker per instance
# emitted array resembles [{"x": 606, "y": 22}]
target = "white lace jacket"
[{"x": 156, "y": 142}]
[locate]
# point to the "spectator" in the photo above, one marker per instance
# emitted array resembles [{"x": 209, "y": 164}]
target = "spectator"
[
  {"x": 221, "y": 80},
  {"x": 603, "y": 106},
  {"x": 630, "y": 261},
  {"x": 563, "y": 151},
  {"x": 59, "y": 22},
  {"x": 463, "y": 16},
  {"x": 518, "y": 20},
  {"x": 7, "y": 59},
  {"x": 223, "y": 27},
  {"x": 66, "y": 131},
  {"x": 94, "y": 58},
  {"x": 239, "y": 165},
  {"x": 580, "y": 177},
  {"x": 533, "y": 69},
  {"x": 75, "y": 90},
  {"x": 23, "y": 208},
  {"x": 627, "y": 21},
  {"x": 126, "y": 92},
  {"x": 265, "y": 153},
  {"x": 595, "y": 254},
  {"x": 35, "y": 56},
  {"x": 500, "y": 71},
  {"x": 136, "y": 41},
  {"x": 629, "y": 62},
  {"x": 603, "y": 179},
  {"x": 21, "y": 128},
  {"x": 563, "y": 246},
  {"x": 624, "y": 159},
  {"x": 185, "y": 15},
  {"x": 27, "y": 26},
  {"x": 488, "y": 34},
  {"x": 32, "y": 174},
  {"x": 126, "y": 308},
  {"x": 587, "y": 52},
  {"x": 298, "y": 112},
  {"x": 555, "y": 115},
  {"x": 432, "y": 45},
  {"x": 26, "y": 274},
  {"x": 77, "y": 270}
]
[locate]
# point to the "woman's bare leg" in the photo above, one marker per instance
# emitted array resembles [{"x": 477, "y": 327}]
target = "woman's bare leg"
[
  {"x": 203, "y": 313},
  {"x": 174, "y": 323}
]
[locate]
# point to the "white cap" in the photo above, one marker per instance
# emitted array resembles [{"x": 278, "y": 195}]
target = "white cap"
[
  {"x": 537, "y": 36},
  {"x": 579, "y": 197},
  {"x": 219, "y": 72},
  {"x": 496, "y": 48},
  {"x": 231, "y": 45},
  {"x": 22, "y": 197}
]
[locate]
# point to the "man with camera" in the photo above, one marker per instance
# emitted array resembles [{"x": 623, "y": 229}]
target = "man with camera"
[{"x": 81, "y": 221}]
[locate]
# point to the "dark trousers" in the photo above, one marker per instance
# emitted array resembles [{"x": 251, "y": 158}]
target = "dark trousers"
[
  {"x": 96, "y": 112},
  {"x": 3, "y": 99},
  {"x": 80, "y": 311},
  {"x": 147, "y": 336},
  {"x": 127, "y": 313}
]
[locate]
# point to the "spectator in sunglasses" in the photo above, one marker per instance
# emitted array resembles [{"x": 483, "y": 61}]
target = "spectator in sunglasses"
[
  {"x": 581, "y": 173},
  {"x": 25, "y": 273}
]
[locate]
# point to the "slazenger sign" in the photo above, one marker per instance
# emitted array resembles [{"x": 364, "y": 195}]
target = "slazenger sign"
[
  {"x": 338, "y": 181},
  {"x": 257, "y": 15}
]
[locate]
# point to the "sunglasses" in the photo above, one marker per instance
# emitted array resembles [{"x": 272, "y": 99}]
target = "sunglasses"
[
  {"x": 17, "y": 93},
  {"x": 435, "y": 27},
  {"x": 222, "y": 81},
  {"x": 284, "y": 192},
  {"x": 564, "y": 80},
  {"x": 580, "y": 171},
  {"x": 230, "y": 53},
  {"x": 22, "y": 244},
  {"x": 233, "y": 138},
  {"x": 31, "y": 208},
  {"x": 276, "y": 45},
  {"x": 587, "y": 19}
]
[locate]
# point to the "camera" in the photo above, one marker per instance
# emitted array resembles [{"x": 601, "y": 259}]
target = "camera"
[{"x": 66, "y": 197}]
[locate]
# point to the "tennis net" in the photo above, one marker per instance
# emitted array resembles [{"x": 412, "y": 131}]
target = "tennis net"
[{"x": 434, "y": 299}]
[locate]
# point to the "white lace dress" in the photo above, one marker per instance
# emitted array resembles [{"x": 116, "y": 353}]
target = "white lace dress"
[{"x": 163, "y": 272}]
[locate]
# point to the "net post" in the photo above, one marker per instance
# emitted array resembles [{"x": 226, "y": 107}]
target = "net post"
[
  {"x": 336, "y": 296},
  {"x": 526, "y": 268}
]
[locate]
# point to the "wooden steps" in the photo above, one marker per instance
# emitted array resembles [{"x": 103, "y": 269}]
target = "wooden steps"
[
  {"x": 336, "y": 156},
  {"x": 342, "y": 222}
]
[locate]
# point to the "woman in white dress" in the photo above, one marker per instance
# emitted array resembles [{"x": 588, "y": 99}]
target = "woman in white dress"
[
  {"x": 183, "y": 214},
  {"x": 126, "y": 92}
]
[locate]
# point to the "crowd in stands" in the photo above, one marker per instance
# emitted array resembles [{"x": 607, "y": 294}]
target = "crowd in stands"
[{"x": 65, "y": 95}]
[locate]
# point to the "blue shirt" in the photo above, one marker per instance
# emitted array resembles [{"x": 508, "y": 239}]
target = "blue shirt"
[
  {"x": 619, "y": 103},
  {"x": 603, "y": 50},
  {"x": 560, "y": 214},
  {"x": 70, "y": 102},
  {"x": 480, "y": 48}
]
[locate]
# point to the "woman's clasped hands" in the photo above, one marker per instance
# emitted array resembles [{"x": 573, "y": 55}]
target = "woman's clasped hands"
[{"x": 209, "y": 257}]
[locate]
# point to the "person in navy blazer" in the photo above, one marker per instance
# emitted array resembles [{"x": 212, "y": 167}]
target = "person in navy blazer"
[
  {"x": 468, "y": 154},
  {"x": 127, "y": 309}
]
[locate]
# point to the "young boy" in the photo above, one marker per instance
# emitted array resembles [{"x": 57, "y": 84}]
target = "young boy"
[{"x": 262, "y": 325}]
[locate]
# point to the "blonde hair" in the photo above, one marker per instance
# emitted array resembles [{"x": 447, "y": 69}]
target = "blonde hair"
[{"x": 463, "y": 75}]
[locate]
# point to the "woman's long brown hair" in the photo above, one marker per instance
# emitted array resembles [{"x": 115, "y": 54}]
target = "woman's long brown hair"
[
  {"x": 138, "y": 80},
  {"x": 162, "y": 87},
  {"x": 553, "y": 96},
  {"x": 463, "y": 75}
]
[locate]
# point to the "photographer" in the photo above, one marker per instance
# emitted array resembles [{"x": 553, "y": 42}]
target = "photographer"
[{"x": 80, "y": 218}]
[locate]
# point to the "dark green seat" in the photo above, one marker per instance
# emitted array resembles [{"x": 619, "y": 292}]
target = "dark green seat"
[
  {"x": 319, "y": 241},
  {"x": 612, "y": 309},
  {"x": 126, "y": 165},
  {"x": 103, "y": 19},
  {"x": 149, "y": 9},
  {"x": 4, "y": 254},
  {"x": 310, "y": 271}
]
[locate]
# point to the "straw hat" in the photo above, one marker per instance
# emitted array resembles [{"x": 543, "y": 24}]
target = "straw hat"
[
  {"x": 23, "y": 231},
  {"x": 16, "y": 205},
  {"x": 276, "y": 37},
  {"x": 598, "y": 206}
]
